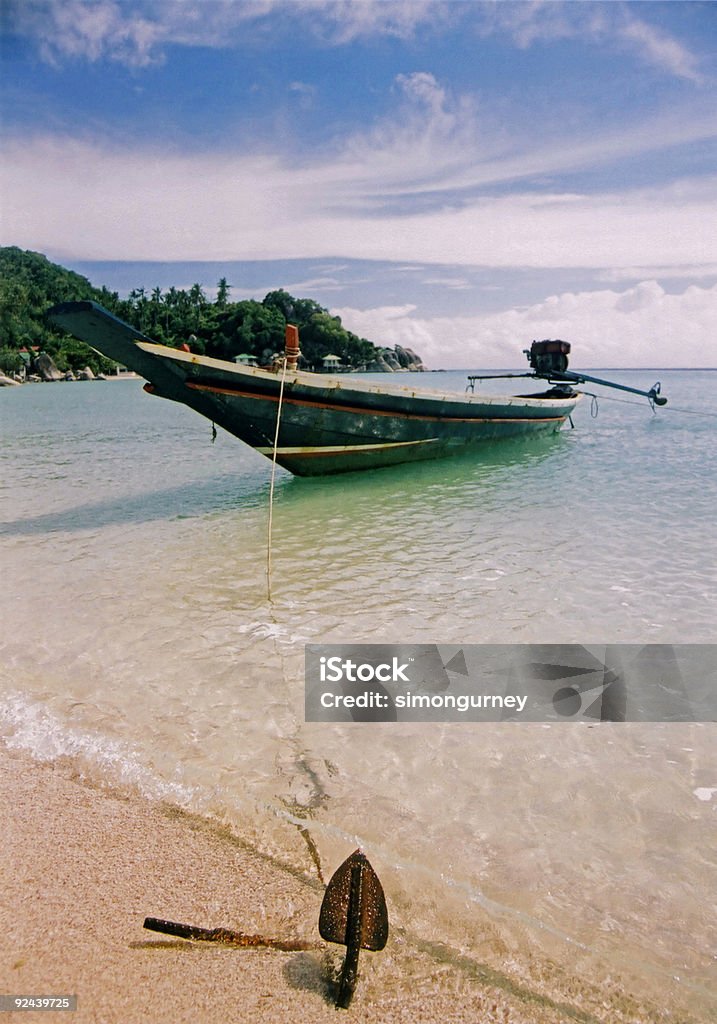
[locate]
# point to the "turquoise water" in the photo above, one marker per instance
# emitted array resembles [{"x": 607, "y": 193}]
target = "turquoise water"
[{"x": 139, "y": 639}]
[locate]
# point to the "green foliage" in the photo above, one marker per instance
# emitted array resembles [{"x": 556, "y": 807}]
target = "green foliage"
[
  {"x": 71, "y": 354},
  {"x": 30, "y": 284},
  {"x": 10, "y": 360},
  {"x": 250, "y": 327}
]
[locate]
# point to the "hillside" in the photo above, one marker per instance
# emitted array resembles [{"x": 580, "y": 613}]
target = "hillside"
[{"x": 30, "y": 284}]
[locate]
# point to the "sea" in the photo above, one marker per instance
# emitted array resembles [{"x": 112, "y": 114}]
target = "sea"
[{"x": 153, "y": 631}]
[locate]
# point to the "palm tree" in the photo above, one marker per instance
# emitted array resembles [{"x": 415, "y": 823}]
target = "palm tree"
[{"x": 222, "y": 293}]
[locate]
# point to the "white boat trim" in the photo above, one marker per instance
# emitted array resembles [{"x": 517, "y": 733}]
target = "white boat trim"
[{"x": 341, "y": 449}]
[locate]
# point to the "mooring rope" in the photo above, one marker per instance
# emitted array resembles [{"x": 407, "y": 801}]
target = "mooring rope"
[
  {"x": 631, "y": 401},
  {"x": 691, "y": 412},
  {"x": 271, "y": 484}
]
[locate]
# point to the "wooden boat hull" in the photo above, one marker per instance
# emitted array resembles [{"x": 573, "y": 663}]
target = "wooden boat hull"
[{"x": 327, "y": 424}]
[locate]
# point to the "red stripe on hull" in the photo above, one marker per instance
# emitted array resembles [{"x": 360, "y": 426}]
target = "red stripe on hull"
[{"x": 369, "y": 411}]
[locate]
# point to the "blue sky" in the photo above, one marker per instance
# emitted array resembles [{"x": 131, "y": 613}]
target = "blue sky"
[{"x": 459, "y": 177}]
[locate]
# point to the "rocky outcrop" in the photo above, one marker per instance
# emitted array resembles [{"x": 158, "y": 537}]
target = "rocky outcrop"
[
  {"x": 408, "y": 359},
  {"x": 379, "y": 364},
  {"x": 395, "y": 360},
  {"x": 390, "y": 356},
  {"x": 46, "y": 369},
  {"x": 85, "y": 374}
]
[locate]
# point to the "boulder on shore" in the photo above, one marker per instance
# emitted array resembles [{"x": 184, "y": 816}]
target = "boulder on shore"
[
  {"x": 45, "y": 367},
  {"x": 396, "y": 359},
  {"x": 379, "y": 365},
  {"x": 390, "y": 356},
  {"x": 408, "y": 358}
]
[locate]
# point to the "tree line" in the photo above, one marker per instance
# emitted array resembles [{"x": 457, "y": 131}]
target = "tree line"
[{"x": 30, "y": 284}]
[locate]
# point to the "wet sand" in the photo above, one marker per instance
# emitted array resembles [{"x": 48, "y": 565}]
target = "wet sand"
[{"x": 81, "y": 867}]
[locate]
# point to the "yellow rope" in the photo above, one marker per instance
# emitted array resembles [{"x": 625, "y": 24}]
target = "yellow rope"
[{"x": 271, "y": 485}]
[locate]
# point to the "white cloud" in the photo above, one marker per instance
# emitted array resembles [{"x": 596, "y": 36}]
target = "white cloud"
[
  {"x": 305, "y": 93},
  {"x": 692, "y": 271},
  {"x": 613, "y": 25},
  {"x": 91, "y": 202},
  {"x": 435, "y": 147},
  {"x": 641, "y": 326},
  {"x": 658, "y": 48},
  {"x": 303, "y": 287},
  {"x": 136, "y": 32},
  {"x": 446, "y": 281},
  {"x": 77, "y": 29},
  {"x": 424, "y": 87},
  {"x": 345, "y": 21}
]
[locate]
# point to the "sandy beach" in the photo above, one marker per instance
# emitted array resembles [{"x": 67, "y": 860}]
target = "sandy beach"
[{"x": 82, "y": 866}]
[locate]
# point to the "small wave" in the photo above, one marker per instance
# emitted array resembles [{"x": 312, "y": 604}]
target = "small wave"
[{"x": 28, "y": 726}]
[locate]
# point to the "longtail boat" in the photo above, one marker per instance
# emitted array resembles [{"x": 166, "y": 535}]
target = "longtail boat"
[{"x": 314, "y": 424}]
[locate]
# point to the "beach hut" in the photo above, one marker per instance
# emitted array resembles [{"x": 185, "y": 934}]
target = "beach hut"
[{"x": 331, "y": 363}]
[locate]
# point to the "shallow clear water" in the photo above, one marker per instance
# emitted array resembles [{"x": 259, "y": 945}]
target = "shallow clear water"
[{"x": 139, "y": 639}]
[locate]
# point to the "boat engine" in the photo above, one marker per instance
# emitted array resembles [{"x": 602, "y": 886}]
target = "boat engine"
[{"x": 547, "y": 357}]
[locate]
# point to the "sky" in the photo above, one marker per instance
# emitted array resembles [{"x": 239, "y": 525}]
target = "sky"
[{"x": 455, "y": 176}]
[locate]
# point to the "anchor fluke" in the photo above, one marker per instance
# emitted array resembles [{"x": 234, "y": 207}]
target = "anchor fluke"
[{"x": 353, "y": 913}]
